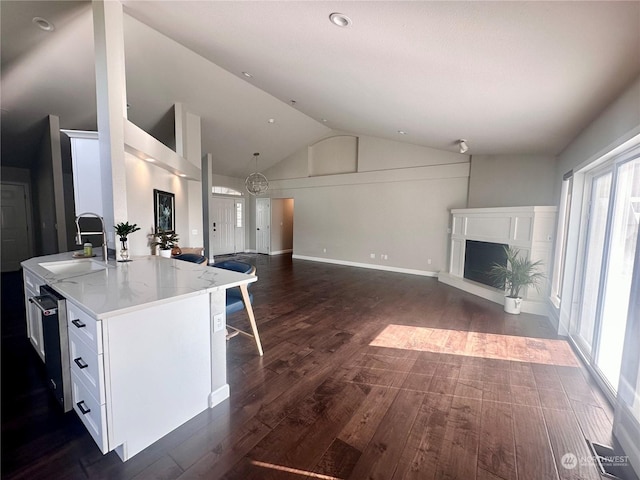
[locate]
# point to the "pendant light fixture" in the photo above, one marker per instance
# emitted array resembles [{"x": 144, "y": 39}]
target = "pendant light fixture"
[{"x": 256, "y": 182}]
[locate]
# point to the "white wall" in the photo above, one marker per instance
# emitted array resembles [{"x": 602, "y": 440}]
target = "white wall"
[
  {"x": 619, "y": 122},
  {"x": 400, "y": 212},
  {"x": 142, "y": 178},
  {"x": 511, "y": 180}
]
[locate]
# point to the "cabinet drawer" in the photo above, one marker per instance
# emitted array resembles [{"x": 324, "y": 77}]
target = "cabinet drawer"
[
  {"x": 87, "y": 365},
  {"x": 92, "y": 414},
  {"x": 32, "y": 281},
  {"x": 88, "y": 329}
]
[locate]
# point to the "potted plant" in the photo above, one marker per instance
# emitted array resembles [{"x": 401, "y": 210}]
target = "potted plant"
[
  {"x": 519, "y": 272},
  {"x": 123, "y": 230},
  {"x": 166, "y": 240}
]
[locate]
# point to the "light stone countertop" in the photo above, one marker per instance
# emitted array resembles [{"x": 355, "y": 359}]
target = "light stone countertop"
[{"x": 126, "y": 287}]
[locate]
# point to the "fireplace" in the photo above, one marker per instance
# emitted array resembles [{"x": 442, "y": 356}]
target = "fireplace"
[
  {"x": 480, "y": 257},
  {"x": 478, "y": 238}
]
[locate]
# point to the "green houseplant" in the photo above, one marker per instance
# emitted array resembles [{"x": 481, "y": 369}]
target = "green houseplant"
[
  {"x": 166, "y": 240},
  {"x": 518, "y": 273},
  {"x": 123, "y": 230}
]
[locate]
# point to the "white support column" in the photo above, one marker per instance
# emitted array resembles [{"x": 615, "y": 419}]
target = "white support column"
[
  {"x": 207, "y": 183},
  {"x": 111, "y": 99},
  {"x": 189, "y": 146}
]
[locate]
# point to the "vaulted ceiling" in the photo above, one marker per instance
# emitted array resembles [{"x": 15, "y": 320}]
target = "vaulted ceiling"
[{"x": 510, "y": 77}]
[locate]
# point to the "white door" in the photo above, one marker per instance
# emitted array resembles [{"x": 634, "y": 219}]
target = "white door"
[
  {"x": 263, "y": 225},
  {"x": 222, "y": 235},
  {"x": 16, "y": 245}
]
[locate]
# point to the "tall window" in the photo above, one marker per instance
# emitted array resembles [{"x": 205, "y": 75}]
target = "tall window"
[
  {"x": 561, "y": 239},
  {"x": 238, "y": 214}
]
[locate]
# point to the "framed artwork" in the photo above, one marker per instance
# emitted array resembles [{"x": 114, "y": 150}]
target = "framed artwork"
[{"x": 164, "y": 207}]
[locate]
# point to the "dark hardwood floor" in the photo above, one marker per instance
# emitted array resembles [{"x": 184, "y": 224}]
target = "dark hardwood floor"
[{"x": 324, "y": 403}]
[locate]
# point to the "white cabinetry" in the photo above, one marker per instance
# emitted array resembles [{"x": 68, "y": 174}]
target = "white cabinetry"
[
  {"x": 32, "y": 285},
  {"x": 87, "y": 373},
  {"x": 137, "y": 376}
]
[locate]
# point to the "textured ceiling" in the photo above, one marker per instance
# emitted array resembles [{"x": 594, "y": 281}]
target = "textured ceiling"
[{"x": 511, "y": 77}]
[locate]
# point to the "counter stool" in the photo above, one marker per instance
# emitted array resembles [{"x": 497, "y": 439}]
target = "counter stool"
[
  {"x": 191, "y": 257},
  {"x": 239, "y": 298}
]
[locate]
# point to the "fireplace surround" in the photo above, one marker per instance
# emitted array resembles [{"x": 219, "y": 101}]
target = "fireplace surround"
[{"x": 530, "y": 229}]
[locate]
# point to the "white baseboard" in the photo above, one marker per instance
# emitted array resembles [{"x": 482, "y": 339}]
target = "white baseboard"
[
  {"x": 423, "y": 273},
  {"x": 280, "y": 252},
  {"x": 219, "y": 395},
  {"x": 492, "y": 294}
]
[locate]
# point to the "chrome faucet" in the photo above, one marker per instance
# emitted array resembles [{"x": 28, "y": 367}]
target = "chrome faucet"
[{"x": 103, "y": 232}]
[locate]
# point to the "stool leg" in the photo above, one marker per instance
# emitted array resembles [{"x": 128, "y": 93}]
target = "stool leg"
[{"x": 252, "y": 320}]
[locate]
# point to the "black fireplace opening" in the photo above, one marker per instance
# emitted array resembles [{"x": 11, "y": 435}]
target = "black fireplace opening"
[{"x": 480, "y": 257}]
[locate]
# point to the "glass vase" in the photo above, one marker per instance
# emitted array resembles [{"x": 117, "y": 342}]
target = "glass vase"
[{"x": 124, "y": 251}]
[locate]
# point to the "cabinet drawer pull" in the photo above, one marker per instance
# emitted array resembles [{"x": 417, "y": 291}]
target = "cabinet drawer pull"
[
  {"x": 82, "y": 407},
  {"x": 81, "y": 363},
  {"x": 78, "y": 323}
]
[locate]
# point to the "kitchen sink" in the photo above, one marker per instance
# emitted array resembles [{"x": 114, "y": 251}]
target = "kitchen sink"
[{"x": 67, "y": 267}]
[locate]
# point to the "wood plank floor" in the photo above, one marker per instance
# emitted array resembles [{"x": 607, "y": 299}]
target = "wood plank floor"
[{"x": 468, "y": 393}]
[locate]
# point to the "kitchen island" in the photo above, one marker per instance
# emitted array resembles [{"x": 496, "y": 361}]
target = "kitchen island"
[{"x": 147, "y": 342}]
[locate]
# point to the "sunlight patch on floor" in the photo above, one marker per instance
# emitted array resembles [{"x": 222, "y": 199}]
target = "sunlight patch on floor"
[
  {"x": 296, "y": 471},
  {"x": 477, "y": 344}
]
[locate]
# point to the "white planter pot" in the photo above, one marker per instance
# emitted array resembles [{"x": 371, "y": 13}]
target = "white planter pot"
[
  {"x": 512, "y": 305},
  {"x": 165, "y": 253}
]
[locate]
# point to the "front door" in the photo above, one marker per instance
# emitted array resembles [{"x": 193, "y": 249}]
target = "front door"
[
  {"x": 16, "y": 245},
  {"x": 222, "y": 227}
]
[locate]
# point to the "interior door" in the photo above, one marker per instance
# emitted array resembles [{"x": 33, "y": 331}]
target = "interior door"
[
  {"x": 263, "y": 225},
  {"x": 222, "y": 234},
  {"x": 16, "y": 245}
]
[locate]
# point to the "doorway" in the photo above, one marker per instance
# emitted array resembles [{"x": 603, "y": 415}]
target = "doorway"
[
  {"x": 16, "y": 226},
  {"x": 612, "y": 219}
]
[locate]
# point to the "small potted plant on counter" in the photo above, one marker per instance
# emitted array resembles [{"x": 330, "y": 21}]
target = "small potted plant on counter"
[
  {"x": 123, "y": 230},
  {"x": 166, "y": 241},
  {"x": 519, "y": 272}
]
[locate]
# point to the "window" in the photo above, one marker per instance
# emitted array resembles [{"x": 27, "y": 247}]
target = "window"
[
  {"x": 238, "y": 214},
  {"x": 218, "y": 190},
  {"x": 561, "y": 239}
]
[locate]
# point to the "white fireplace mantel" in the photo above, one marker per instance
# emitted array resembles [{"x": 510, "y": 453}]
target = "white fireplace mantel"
[{"x": 530, "y": 229}]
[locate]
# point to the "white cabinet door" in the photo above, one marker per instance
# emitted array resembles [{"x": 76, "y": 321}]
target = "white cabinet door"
[
  {"x": 32, "y": 285},
  {"x": 34, "y": 325}
]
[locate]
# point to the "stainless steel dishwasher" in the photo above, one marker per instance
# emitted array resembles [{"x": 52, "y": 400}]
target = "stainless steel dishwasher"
[{"x": 53, "y": 307}]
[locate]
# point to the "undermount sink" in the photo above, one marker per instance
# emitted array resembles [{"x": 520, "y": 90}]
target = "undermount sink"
[{"x": 73, "y": 266}]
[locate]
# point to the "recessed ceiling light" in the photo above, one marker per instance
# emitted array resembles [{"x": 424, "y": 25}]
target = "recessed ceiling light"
[
  {"x": 402, "y": 132},
  {"x": 324, "y": 120},
  {"x": 271, "y": 120},
  {"x": 247, "y": 74},
  {"x": 181, "y": 175},
  {"x": 43, "y": 24},
  {"x": 340, "y": 19},
  {"x": 150, "y": 160}
]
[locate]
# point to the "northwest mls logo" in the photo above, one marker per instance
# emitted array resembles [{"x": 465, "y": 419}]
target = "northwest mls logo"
[{"x": 569, "y": 461}]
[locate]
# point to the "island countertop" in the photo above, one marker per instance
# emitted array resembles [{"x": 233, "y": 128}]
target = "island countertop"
[{"x": 134, "y": 285}]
